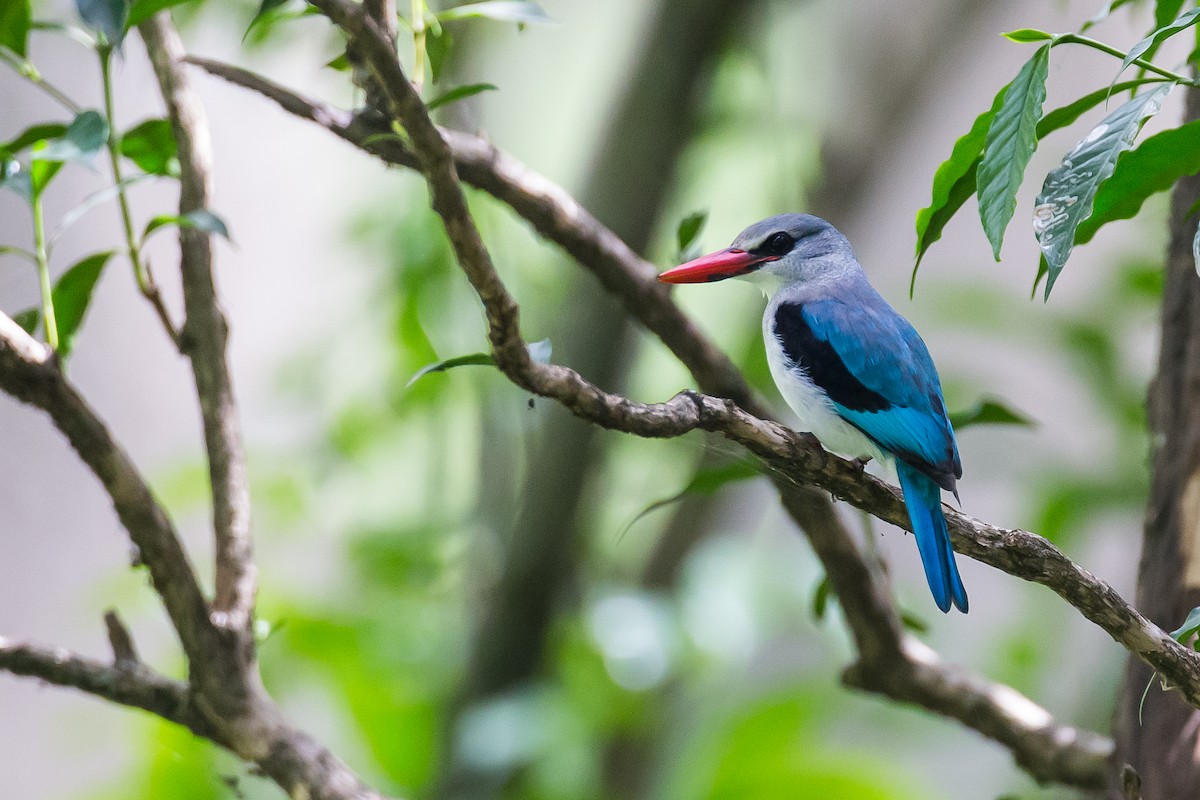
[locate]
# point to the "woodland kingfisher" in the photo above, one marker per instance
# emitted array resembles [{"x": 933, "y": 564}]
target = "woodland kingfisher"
[{"x": 854, "y": 371}]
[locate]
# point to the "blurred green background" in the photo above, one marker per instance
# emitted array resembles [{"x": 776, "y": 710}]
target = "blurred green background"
[{"x": 462, "y": 592}]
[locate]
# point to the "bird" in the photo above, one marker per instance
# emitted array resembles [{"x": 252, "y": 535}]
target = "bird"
[{"x": 857, "y": 374}]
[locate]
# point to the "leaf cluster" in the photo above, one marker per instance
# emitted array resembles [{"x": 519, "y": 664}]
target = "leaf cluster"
[{"x": 1103, "y": 178}]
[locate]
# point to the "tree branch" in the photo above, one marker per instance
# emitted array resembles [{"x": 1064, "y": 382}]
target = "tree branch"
[
  {"x": 124, "y": 683},
  {"x": 204, "y": 337},
  {"x": 300, "y": 765},
  {"x": 29, "y": 373},
  {"x": 1077, "y": 757}
]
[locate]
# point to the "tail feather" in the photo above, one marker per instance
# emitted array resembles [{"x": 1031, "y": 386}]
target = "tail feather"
[{"x": 924, "y": 500}]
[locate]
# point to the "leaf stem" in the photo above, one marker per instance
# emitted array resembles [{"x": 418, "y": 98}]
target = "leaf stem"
[
  {"x": 43, "y": 266},
  {"x": 29, "y": 72},
  {"x": 141, "y": 269},
  {"x": 418, "y": 28},
  {"x": 1087, "y": 41}
]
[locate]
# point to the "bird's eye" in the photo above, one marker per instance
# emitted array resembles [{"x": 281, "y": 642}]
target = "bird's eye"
[{"x": 779, "y": 244}]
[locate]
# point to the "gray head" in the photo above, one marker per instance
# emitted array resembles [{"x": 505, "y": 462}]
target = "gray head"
[{"x": 776, "y": 252}]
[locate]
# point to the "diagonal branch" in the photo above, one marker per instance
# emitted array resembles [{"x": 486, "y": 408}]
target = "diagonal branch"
[
  {"x": 204, "y": 338},
  {"x": 29, "y": 373},
  {"x": 1076, "y": 757}
]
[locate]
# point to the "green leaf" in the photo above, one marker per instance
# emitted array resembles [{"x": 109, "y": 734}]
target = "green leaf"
[
  {"x": 91, "y": 201},
  {"x": 1190, "y": 626},
  {"x": 1062, "y": 117},
  {"x": 687, "y": 235},
  {"x": 15, "y": 19},
  {"x": 1180, "y": 23},
  {"x": 954, "y": 181},
  {"x": 1104, "y": 13},
  {"x": 988, "y": 412},
  {"x": 72, "y": 295},
  {"x": 32, "y": 135},
  {"x": 1165, "y": 11},
  {"x": 820, "y": 599},
  {"x": 339, "y": 63},
  {"x": 438, "y": 47},
  {"x": 142, "y": 10},
  {"x": 1011, "y": 140},
  {"x": 912, "y": 622},
  {"x": 105, "y": 16},
  {"x": 151, "y": 145},
  {"x": 538, "y": 351},
  {"x": 460, "y": 93},
  {"x": 524, "y": 13},
  {"x": 72, "y": 32},
  {"x": 41, "y": 172},
  {"x": 1026, "y": 35},
  {"x": 472, "y": 360},
  {"x": 1153, "y": 166},
  {"x": 200, "y": 219},
  {"x": 28, "y": 319},
  {"x": 1070, "y": 189},
  {"x": 705, "y": 482},
  {"x": 264, "y": 12},
  {"x": 84, "y": 138}
]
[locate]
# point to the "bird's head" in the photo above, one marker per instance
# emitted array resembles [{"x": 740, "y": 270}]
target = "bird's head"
[{"x": 776, "y": 252}]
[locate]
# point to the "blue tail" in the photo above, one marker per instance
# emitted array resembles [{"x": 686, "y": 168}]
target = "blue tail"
[{"x": 924, "y": 500}]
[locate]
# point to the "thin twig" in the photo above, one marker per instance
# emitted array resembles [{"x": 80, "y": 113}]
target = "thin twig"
[
  {"x": 120, "y": 640},
  {"x": 205, "y": 337}
]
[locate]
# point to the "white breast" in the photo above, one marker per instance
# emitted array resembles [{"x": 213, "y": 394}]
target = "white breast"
[{"x": 811, "y": 404}]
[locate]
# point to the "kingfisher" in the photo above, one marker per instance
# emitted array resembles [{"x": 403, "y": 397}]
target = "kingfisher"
[{"x": 856, "y": 373}]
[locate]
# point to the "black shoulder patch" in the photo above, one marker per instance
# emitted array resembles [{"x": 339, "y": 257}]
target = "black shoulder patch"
[{"x": 822, "y": 363}]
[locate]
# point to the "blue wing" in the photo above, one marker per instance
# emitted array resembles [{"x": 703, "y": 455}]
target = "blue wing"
[{"x": 879, "y": 375}]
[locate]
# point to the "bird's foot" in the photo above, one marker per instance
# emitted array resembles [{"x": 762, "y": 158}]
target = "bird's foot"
[{"x": 861, "y": 462}]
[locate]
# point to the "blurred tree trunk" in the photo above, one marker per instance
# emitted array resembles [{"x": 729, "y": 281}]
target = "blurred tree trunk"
[
  {"x": 1164, "y": 747},
  {"x": 629, "y": 181}
]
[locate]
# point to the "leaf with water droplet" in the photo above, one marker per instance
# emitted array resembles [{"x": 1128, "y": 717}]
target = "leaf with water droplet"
[
  {"x": 1069, "y": 191},
  {"x": 954, "y": 182},
  {"x": 1153, "y": 166}
]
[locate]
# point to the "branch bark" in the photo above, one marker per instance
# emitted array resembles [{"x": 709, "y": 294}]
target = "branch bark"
[
  {"x": 204, "y": 339},
  {"x": 29, "y": 374},
  {"x": 126, "y": 684}
]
